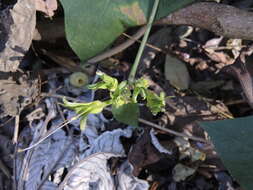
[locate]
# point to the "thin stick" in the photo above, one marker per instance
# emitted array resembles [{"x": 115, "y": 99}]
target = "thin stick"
[
  {"x": 6, "y": 122},
  {"x": 222, "y": 113},
  {"x": 15, "y": 136},
  {"x": 60, "y": 97},
  {"x": 4, "y": 169},
  {"x": 119, "y": 48},
  {"x": 49, "y": 133},
  {"x": 172, "y": 131},
  {"x": 143, "y": 42},
  {"x": 147, "y": 44}
]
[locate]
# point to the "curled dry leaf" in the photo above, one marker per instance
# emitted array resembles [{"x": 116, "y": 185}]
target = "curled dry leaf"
[
  {"x": 147, "y": 151},
  {"x": 157, "y": 144},
  {"x": 126, "y": 179},
  {"x": 109, "y": 141},
  {"x": 93, "y": 173}
]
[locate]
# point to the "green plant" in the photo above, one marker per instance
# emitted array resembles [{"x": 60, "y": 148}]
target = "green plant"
[
  {"x": 123, "y": 99},
  {"x": 124, "y": 95}
]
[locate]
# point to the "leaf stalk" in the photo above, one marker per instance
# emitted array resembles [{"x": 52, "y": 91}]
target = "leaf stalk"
[{"x": 143, "y": 43}]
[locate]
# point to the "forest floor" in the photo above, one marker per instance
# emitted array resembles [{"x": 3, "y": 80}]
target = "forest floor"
[{"x": 192, "y": 67}]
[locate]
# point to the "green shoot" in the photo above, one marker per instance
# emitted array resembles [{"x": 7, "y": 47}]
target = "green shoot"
[
  {"x": 123, "y": 99},
  {"x": 143, "y": 42}
]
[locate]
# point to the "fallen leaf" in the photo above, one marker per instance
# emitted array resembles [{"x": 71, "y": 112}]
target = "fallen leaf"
[
  {"x": 18, "y": 90},
  {"x": 46, "y": 6},
  {"x": 17, "y": 25},
  {"x": 93, "y": 173},
  {"x": 176, "y": 72},
  {"x": 144, "y": 154},
  {"x": 181, "y": 172}
]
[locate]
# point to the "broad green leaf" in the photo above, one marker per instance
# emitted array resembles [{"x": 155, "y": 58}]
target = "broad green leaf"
[
  {"x": 234, "y": 143},
  {"x": 92, "y": 25},
  {"x": 127, "y": 113}
]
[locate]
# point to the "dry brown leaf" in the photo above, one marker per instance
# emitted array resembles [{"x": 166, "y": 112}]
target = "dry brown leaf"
[
  {"x": 46, "y": 6},
  {"x": 17, "y": 25}
]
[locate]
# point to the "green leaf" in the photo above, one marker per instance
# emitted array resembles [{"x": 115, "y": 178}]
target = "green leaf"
[
  {"x": 155, "y": 103},
  {"x": 83, "y": 109},
  {"x": 127, "y": 113},
  {"x": 92, "y": 25},
  {"x": 140, "y": 87},
  {"x": 122, "y": 93},
  {"x": 234, "y": 143},
  {"x": 107, "y": 82}
]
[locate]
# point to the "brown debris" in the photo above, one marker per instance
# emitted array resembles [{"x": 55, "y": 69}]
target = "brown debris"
[
  {"x": 17, "y": 25},
  {"x": 17, "y": 90}
]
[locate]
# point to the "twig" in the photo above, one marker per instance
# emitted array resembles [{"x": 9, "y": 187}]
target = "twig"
[
  {"x": 147, "y": 44},
  {"x": 60, "y": 96},
  {"x": 222, "y": 113},
  {"x": 224, "y": 20},
  {"x": 172, "y": 131},
  {"x": 49, "y": 133},
  {"x": 167, "y": 130},
  {"x": 118, "y": 48},
  {"x": 15, "y": 180},
  {"x": 235, "y": 102},
  {"x": 4, "y": 169},
  {"x": 6, "y": 122},
  {"x": 15, "y": 136}
]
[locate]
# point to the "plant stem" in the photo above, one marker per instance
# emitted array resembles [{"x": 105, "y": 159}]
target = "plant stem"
[{"x": 143, "y": 43}]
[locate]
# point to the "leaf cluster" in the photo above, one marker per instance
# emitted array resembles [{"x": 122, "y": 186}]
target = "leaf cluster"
[{"x": 123, "y": 99}]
